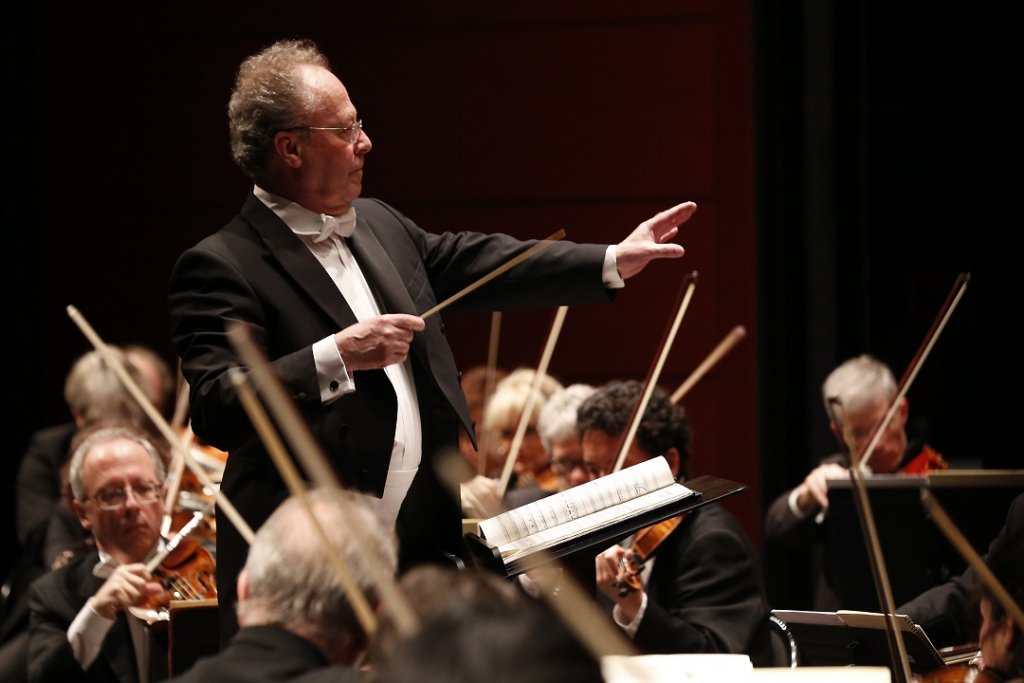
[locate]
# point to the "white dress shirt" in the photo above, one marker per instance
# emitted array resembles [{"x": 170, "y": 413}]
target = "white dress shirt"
[{"x": 324, "y": 236}]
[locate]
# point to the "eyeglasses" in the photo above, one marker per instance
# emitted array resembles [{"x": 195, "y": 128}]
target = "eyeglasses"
[
  {"x": 145, "y": 493},
  {"x": 566, "y": 465},
  {"x": 353, "y": 131}
]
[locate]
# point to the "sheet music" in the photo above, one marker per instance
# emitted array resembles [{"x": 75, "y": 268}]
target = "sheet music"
[{"x": 581, "y": 510}]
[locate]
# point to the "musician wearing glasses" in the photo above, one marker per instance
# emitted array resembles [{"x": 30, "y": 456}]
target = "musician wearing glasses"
[
  {"x": 332, "y": 288},
  {"x": 78, "y": 627}
]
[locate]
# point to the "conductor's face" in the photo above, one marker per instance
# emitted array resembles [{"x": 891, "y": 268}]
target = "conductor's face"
[{"x": 330, "y": 161}]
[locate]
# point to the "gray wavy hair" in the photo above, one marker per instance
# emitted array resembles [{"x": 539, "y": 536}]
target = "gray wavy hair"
[
  {"x": 291, "y": 580},
  {"x": 269, "y": 96}
]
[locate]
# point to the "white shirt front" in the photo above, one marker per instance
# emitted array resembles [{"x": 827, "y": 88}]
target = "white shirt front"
[{"x": 323, "y": 236}]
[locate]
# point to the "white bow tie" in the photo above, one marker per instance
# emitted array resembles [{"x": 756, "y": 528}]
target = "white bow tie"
[{"x": 343, "y": 225}]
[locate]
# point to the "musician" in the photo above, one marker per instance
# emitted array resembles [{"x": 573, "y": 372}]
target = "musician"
[
  {"x": 93, "y": 394},
  {"x": 857, "y": 395},
  {"x": 48, "y": 531},
  {"x": 943, "y": 611},
  {"x": 480, "y": 495},
  {"x": 556, "y": 427},
  {"x": 432, "y": 590},
  {"x": 1000, "y": 637},
  {"x": 331, "y": 287},
  {"x": 295, "y": 619},
  {"x": 79, "y": 629},
  {"x": 702, "y": 589},
  {"x": 475, "y": 641}
]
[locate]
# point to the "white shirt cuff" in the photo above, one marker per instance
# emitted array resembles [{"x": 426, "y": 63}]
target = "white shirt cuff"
[
  {"x": 632, "y": 627},
  {"x": 531, "y": 587},
  {"x": 331, "y": 372},
  {"x": 87, "y": 633},
  {"x": 793, "y": 507},
  {"x": 610, "y": 271}
]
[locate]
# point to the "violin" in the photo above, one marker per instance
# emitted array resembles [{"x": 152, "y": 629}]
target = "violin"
[
  {"x": 928, "y": 460},
  {"x": 962, "y": 673},
  {"x": 186, "y": 571},
  {"x": 644, "y": 544}
]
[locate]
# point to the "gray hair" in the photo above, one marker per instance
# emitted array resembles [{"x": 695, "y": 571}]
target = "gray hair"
[
  {"x": 103, "y": 435},
  {"x": 557, "y": 418},
  {"x": 94, "y": 392},
  {"x": 269, "y": 96},
  {"x": 291, "y": 580},
  {"x": 858, "y": 383}
]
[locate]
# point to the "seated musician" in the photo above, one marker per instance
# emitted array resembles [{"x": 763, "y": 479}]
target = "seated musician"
[
  {"x": 79, "y": 630},
  {"x": 556, "y": 427},
  {"x": 502, "y": 414},
  {"x": 296, "y": 623},
  {"x": 857, "y": 395},
  {"x": 472, "y": 641},
  {"x": 943, "y": 611},
  {"x": 702, "y": 589},
  {"x": 1000, "y": 637}
]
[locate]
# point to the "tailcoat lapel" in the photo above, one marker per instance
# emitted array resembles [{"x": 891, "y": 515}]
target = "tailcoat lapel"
[{"x": 298, "y": 262}]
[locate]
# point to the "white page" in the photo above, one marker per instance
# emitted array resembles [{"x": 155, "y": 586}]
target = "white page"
[{"x": 577, "y": 502}]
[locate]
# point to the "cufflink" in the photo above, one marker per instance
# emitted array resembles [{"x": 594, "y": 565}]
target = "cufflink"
[{"x": 333, "y": 386}]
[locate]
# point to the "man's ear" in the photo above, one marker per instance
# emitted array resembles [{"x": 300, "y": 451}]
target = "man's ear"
[
  {"x": 242, "y": 586},
  {"x": 80, "y": 513},
  {"x": 286, "y": 147}
]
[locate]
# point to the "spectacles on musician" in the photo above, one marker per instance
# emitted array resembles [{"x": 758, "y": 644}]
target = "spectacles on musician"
[
  {"x": 145, "y": 493},
  {"x": 564, "y": 466}
]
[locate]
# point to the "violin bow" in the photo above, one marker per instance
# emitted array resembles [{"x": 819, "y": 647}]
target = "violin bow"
[
  {"x": 290, "y": 474},
  {"x": 511, "y": 263},
  {"x": 174, "y": 475},
  {"x": 158, "y": 420},
  {"x": 315, "y": 463},
  {"x": 938, "y": 325},
  {"x": 490, "y": 373},
  {"x": 725, "y": 346},
  {"x": 689, "y": 285},
  {"x": 897, "y": 647},
  {"x": 963, "y": 546},
  {"x": 531, "y": 399}
]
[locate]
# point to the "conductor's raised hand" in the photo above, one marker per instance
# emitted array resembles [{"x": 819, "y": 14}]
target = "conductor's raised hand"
[
  {"x": 651, "y": 240},
  {"x": 378, "y": 342}
]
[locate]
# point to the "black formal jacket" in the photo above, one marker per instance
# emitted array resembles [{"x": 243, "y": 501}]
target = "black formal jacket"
[
  {"x": 784, "y": 529},
  {"x": 54, "y": 601},
  {"x": 943, "y": 610},
  {"x": 267, "y": 654},
  {"x": 255, "y": 270},
  {"x": 704, "y": 594}
]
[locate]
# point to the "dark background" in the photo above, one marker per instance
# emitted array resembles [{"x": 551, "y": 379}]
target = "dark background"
[{"x": 849, "y": 160}]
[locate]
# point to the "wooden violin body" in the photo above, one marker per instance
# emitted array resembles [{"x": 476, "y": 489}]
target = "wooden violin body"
[
  {"x": 187, "y": 573},
  {"x": 644, "y": 544},
  {"x": 962, "y": 673}
]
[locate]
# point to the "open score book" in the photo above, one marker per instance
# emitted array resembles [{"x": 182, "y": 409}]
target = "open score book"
[{"x": 578, "y": 511}]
